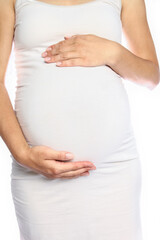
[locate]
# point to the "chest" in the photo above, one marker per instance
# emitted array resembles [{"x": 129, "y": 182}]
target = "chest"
[{"x": 38, "y": 22}]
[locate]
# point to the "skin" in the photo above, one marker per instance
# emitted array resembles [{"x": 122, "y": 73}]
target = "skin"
[
  {"x": 41, "y": 159},
  {"x": 140, "y": 65}
]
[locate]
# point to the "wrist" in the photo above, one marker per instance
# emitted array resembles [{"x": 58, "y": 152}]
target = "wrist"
[
  {"x": 113, "y": 53},
  {"x": 22, "y": 154}
]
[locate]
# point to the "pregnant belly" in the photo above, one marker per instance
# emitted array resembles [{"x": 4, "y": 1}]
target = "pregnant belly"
[{"x": 87, "y": 115}]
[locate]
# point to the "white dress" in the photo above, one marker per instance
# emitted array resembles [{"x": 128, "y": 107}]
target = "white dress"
[{"x": 83, "y": 110}]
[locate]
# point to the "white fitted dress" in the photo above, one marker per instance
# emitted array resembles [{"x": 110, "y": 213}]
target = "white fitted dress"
[{"x": 83, "y": 110}]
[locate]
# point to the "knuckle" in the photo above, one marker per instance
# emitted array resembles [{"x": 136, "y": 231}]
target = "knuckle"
[
  {"x": 64, "y": 55},
  {"x": 49, "y": 171},
  {"x": 55, "y": 176},
  {"x": 60, "y": 156},
  {"x": 60, "y": 55},
  {"x": 88, "y": 36},
  {"x": 41, "y": 154},
  {"x": 55, "y": 48},
  {"x": 65, "y": 177},
  {"x": 77, "y": 176},
  {"x": 75, "y": 38},
  {"x": 76, "y": 166},
  {"x": 71, "y": 62},
  {"x": 52, "y": 171},
  {"x": 61, "y": 44},
  {"x": 52, "y": 51},
  {"x": 49, "y": 177},
  {"x": 55, "y": 171},
  {"x": 65, "y": 63},
  {"x": 85, "y": 61},
  {"x": 77, "y": 44}
]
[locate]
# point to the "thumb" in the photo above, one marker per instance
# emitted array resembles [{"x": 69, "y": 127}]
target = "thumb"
[
  {"x": 67, "y": 36},
  {"x": 58, "y": 155}
]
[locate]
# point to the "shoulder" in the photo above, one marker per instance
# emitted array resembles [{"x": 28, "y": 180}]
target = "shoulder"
[
  {"x": 7, "y": 3},
  {"x": 7, "y": 7},
  {"x": 132, "y": 4},
  {"x": 133, "y": 10}
]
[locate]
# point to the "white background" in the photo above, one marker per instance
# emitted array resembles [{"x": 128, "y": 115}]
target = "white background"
[{"x": 145, "y": 105}]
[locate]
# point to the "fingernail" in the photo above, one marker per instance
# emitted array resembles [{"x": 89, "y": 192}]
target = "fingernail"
[
  {"x": 47, "y": 59},
  {"x": 69, "y": 155},
  {"x": 44, "y": 54},
  {"x": 49, "y": 49},
  {"x": 93, "y": 168},
  {"x": 69, "y": 35}
]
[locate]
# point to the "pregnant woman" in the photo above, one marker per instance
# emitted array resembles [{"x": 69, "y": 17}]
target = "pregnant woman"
[{"x": 76, "y": 172}]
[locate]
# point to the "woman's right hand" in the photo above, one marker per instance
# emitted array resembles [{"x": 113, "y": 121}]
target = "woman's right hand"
[{"x": 52, "y": 164}]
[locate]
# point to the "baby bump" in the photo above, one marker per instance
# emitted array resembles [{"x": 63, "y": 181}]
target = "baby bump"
[{"x": 89, "y": 117}]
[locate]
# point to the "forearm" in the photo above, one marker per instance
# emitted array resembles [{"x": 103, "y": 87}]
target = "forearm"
[
  {"x": 131, "y": 67},
  {"x": 10, "y": 130}
]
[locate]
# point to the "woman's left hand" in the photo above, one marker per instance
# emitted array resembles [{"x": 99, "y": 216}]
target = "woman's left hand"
[{"x": 79, "y": 50}]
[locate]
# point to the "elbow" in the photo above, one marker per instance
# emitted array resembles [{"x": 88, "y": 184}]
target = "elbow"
[
  {"x": 153, "y": 84},
  {"x": 155, "y": 80}
]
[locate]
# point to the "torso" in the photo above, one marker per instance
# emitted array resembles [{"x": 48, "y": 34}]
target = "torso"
[{"x": 83, "y": 110}]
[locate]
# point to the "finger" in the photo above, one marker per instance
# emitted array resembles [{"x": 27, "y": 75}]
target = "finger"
[
  {"x": 73, "y": 37},
  {"x": 56, "y": 51},
  {"x": 52, "y": 154},
  {"x": 63, "y": 167},
  {"x": 47, "y": 51},
  {"x": 61, "y": 56},
  {"x": 59, "y": 47},
  {"x": 67, "y": 45},
  {"x": 67, "y": 36},
  {"x": 70, "y": 62},
  {"x": 86, "y": 173},
  {"x": 70, "y": 40},
  {"x": 72, "y": 173},
  {"x": 48, "y": 176}
]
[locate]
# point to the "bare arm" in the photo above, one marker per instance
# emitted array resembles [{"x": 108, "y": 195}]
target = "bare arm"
[
  {"x": 10, "y": 130},
  {"x": 140, "y": 64},
  {"x": 38, "y": 158}
]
